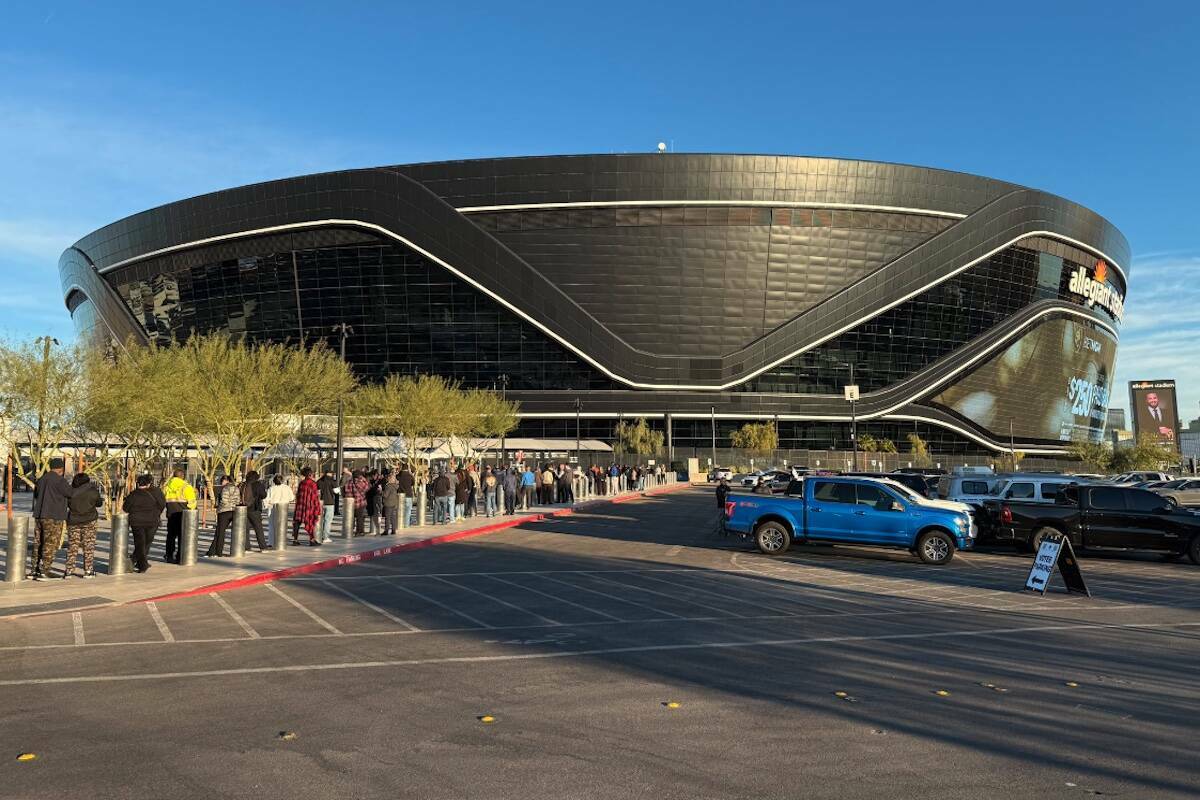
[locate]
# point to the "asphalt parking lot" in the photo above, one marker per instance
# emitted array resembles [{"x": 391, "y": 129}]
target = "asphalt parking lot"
[{"x": 830, "y": 672}]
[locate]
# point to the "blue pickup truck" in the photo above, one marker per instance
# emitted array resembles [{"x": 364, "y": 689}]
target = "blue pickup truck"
[{"x": 852, "y": 511}]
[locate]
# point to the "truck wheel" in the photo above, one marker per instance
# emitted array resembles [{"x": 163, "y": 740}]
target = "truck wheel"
[
  {"x": 772, "y": 538},
  {"x": 935, "y": 547},
  {"x": 1035, "y": 542},
  {"x": 1194, "y": 549}
]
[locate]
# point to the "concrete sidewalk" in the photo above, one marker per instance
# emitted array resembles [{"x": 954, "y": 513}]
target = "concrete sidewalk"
[{"x": 165, "y": 580}]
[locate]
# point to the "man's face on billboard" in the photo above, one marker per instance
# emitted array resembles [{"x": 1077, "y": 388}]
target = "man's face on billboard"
[{"x": 1152, "y": 400}]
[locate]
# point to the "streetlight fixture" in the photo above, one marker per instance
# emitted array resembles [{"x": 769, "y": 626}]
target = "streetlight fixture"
[{"x": 344, "y": 331}]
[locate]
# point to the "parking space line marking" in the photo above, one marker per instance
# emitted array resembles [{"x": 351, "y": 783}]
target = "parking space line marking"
[
  {"x": 311, "y": 614},
  {"x": 500, "y": 601},
  {"x": 382, "y": 611},
  {"x": 167, "y": 636},
  {"x": 1016, "y": 608},
  {"x": 796, "y": 598},
  {"x": 77, "y": 625},
  {"x": 578, "y": 587},
  {"x": 558, "y": 599},
  {"x": 440, "y": 604},
  {"x": 253, "y": 634},
  {"x": 652, "y": 648},
  {"x": 674, "y": 597}
]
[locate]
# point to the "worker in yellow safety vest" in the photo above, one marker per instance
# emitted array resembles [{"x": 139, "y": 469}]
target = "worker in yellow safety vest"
[{"x": 180, "y": 495}]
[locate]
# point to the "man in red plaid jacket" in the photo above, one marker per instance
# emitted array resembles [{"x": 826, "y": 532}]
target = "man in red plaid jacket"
[{"x": 308, "y": 509}]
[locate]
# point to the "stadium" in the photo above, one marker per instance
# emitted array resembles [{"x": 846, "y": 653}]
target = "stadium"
[{"x": 699, "y": 292}]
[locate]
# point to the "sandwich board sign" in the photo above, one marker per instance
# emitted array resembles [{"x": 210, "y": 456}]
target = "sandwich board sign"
[{"x": 1056, "y": 550}]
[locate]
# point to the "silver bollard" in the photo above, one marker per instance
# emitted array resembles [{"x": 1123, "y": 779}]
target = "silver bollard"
[
  {"x": 403, "y": 511},
  {"x": 279, "y": 523},
  {"x": 118, "y": 553},
  {"x": 18, "y": 543},
  {"x": 188, "y": 537},
  {"x": 237, "y": 542},
  {"x": 347, "y": 518},
  {"x": 422, "y": 506}
]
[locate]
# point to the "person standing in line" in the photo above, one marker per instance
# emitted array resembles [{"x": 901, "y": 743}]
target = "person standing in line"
[
  {"x": 511, "y": 484},
  {"x": 462, "y": 492},
  {"x": 253, "y": 495},
  {"x": 547, "y": 485},
  {"x": 51, "y": 495},
  {"x": 489, "y": 486},
  {"x": 328, "y": 488},
  {"x": 279, "y": 494},
  {"x": 566, "y": 487},
  {"x": 308, "y": 509},
  {"x": 391, "y": 505},
  {"x": 228, "y": 499},
  {"x": 81, "y": 524},
  {"x": 443, "y": 498},
  {"x": 356, "y": 490},
  {"x": 374, "y": 502},
  {"x": 406, "y": 484},
  {"x": 528, "y": 482},
  {"x": 180, "y": 496},
  {"x": 145, "y": 506},
  {"x": 473, "y": 480}
]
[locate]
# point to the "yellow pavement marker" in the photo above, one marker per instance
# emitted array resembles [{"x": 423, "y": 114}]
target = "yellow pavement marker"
[
  {"x": 487, "y": 719},
  {"x": 942, "y": 693},
  {"x": 672, "y": 704},
  {"x": 287, "y": 736},
  {"x": 26, "y": 756}
]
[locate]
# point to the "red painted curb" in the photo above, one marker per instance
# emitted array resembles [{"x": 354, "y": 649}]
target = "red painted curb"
[{"x": 368, "y": 555}]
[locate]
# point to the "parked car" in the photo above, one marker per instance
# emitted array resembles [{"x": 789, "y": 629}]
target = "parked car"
[
  {"x": 750, "y": 479},
  {"x": 970, "y": 488},
  {"x": 1138, "y": 477},
  {"x": 852, "y": 511},
  {"x": 777, "y": 480},
  {"x": 1184, "y": 492},
  {"x": 1099, "y": 516},
  {"x": 718, "y": 473},
  {"x": 1031, "y": 488}
]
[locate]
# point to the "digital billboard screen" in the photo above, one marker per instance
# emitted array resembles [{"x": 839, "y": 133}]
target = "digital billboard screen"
[
  {"x": 1155, "y": 410},
  {"x": 1052, "y": 383}
]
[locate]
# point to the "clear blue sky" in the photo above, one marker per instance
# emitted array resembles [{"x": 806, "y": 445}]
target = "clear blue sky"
[{"x": 108, "y": 109}]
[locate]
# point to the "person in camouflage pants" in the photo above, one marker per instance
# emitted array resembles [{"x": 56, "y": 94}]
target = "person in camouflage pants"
[
  {"x": 48, "y": 538},
  {"x": 81, "y": 534},
  {"x": 82, "y": 513}
]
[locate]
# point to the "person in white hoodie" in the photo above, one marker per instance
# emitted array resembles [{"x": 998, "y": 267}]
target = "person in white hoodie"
[{"x": 279, "y": 494}]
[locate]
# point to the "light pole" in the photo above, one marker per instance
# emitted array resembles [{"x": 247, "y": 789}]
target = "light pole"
[
  {"x": 45, "y": 341},
  {"x": 503, "y": 399},
  {"x": 578, "y": 413},
  {"x": 851, "y": 394},
  {"x": 343, "y": 330},
  {"x": 713, "y": 412},
  {"x": 1012, "y": 447}
]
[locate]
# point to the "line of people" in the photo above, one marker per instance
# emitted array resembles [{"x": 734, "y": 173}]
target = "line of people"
[{"x": 68, "y": 510}]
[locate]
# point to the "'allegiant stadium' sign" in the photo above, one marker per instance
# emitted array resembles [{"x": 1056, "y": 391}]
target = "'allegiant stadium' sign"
[{"x": 1098, "y": 293}]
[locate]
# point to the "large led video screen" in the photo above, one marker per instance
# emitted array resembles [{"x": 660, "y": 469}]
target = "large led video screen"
[
  {"x": 1052, "y": 383},
  {"x": 1154, "y": 410}
]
